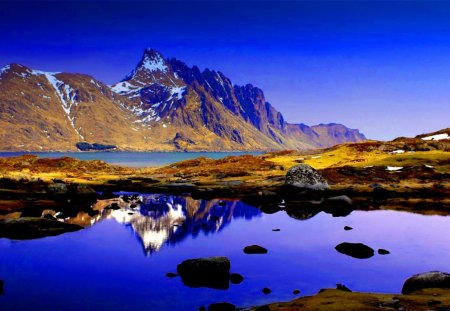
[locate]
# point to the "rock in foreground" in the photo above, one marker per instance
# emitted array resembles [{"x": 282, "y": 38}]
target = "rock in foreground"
[
  {"x": 355, "y": 250},
  {"x": 304, "y": 176},
  {"x": 433, "y": 279},
  {"x": 212, "y": 272},
  {"x": 33, "y": 228}
]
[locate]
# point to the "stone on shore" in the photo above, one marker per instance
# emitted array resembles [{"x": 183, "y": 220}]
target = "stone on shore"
[
  {"x": 304, "y": 176},
  {"x": 433, "y": 279}
]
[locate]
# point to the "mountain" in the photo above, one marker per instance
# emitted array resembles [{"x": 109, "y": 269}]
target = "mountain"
[{"x": 163, "y": 105}]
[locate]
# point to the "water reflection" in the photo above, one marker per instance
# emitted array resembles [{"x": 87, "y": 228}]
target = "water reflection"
[{"x": 159, "y": 220}]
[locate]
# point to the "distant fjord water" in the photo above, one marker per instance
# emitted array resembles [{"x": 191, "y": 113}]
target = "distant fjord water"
[{"x": 132, "y": 159}]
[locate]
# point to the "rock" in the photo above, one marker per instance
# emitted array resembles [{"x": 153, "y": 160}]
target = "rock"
[
  {"x": 236, "y": 278},
  {"x": 222, "y": 306},
  {"x": 347, "y": 228},
  {"x": 255, "y": 249},
  {"x": 276, "y": 230},
  {"x": 57, "y": 188},
  {"x": 266, "y": 290},
  {"x": 433, "y": 279},
  {"x": 342, "y": 287},
  {"x": 25, "y": 228},
  {"x": 383, "y": 251},
  {"x": 212, "y": 272},
  {"x": 338, "y": 206},
  {"x": 296, "y": 291},
  {"x": 355, "y": 250},
  {"x": 304, "y": 176},
  {"x": 171, "y": 275}
]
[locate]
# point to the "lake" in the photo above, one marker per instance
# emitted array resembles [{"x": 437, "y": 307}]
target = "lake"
[
  {"x": 132, "y": 159},
  {"x": 120, "y": 261}
]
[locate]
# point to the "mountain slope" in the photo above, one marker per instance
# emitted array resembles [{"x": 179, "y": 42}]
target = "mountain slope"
[{"x": 161, "y": 105}]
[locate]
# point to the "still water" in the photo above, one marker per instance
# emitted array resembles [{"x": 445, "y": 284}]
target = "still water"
[
  {"x": 120, "y": 260},
  {"x": 132, "y": 159}
]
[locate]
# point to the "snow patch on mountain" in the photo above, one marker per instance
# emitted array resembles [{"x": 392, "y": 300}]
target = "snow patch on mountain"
[
  {"x": 66, "y": 94},
  {"x": 437, "y": 137},
  {"x": 4, "y": 69}
]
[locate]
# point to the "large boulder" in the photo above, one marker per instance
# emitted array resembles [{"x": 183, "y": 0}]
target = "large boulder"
[
  {"x": 304, "y": 176},
  {"x": 25, "y": 228},
  {"x": 355, "y": 250},
  {"x": 433, "y": 279},
  {"x": 212, "y": 272}
]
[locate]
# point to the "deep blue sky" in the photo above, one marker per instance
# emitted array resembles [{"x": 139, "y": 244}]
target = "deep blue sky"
[{"x": 382, "y": 67}]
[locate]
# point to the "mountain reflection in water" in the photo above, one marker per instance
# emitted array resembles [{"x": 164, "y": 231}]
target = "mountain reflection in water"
[{"x": 159, "y": 220}]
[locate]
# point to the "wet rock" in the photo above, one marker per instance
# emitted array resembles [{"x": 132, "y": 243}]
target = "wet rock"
[
  {"x": 433, "y": 279},
  {"x": 212, "y": 272},
  {"x": 347, "y": 228},
  {"x": 171, "y": 275},
  {"x": 255, "y": 249},
  {"x": 338, "y": 206},
  {"x": 355, "y": 250},
  {"x": 33, "y": 227},
  {"x": 383, "y": 251},
  {"x": 296, "y": 291},
  {"x": 304, "y": 176},
  {"x": 342, "y": 287},
  {"x": 222, "y": 306},
  {"x": 236, "y": 278},
  {"x": 266, "y": 290}
]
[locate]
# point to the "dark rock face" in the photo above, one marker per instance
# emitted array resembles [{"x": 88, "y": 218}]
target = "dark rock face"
[
  {"x": 355, "y": 250},
  {"x": 32, "y": 228},
  {"x": 212, "y": 272},
  {"x": 304, "y": 176},
  {"x": 433, "y": 279},
  {"x": 255, "y": 249},
  {"x": 222, "y": 306}
]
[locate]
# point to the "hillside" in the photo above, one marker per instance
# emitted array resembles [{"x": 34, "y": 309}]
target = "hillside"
[{"x": 162, "y": 105}]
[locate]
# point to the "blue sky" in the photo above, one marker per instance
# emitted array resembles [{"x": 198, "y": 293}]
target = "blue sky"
[{"x": 382, "y": 67}]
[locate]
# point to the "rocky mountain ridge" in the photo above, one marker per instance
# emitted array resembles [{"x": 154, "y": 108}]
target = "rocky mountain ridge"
[{"x": 162, "y": 105}]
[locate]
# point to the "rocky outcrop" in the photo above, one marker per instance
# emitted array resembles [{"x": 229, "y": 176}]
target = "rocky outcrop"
[
  {"x": 212, "y": 272},
  {"x": 304, "y": 176},
  {"x": 433, "y": 279}
]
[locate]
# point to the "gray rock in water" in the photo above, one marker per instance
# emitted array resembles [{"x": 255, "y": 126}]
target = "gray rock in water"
[
  {"x": 433, "y": 279},
  {"x": 212, "y": 272},
  {"x": 304, "y": 176}
]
